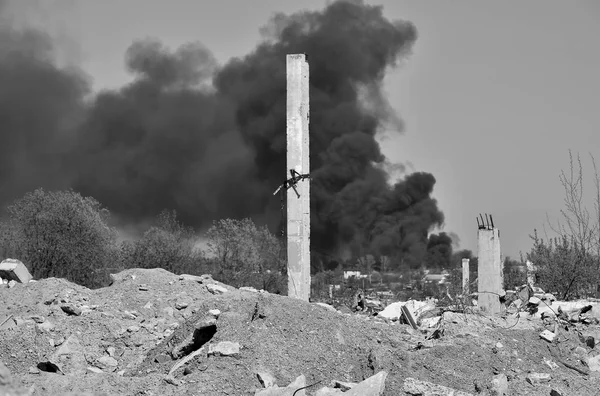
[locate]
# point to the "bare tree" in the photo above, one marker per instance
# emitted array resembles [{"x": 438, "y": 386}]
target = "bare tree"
[{"x": 569, "y": 262}]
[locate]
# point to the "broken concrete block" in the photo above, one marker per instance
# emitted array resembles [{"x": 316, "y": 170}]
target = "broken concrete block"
[
  {"x": 292, "y": 389},
  {"x": 593, "y": 363},
  {"x": 534, "y": 301},
  {"x": 192, "y": 278},
  {"x": 266, "y": 379},
  {"x": 216, "y": 289},
  {"x": 499, "y": 385},
  {"x": 12, "y": 269},
  {"x": 372, "y": 386},
  {"x": 71, "y": 310},
  {"x": 249, "y": 289},
  {"x": 46, "y": 326},
  {"x": 95, "y": 370},
  {"x": 225, "y": 348},
  {"x": 214, "y": 312},
  {"x": 547, "y": 335},
  {"x": 556, "y": 392},
  {"x": 12, "y": 283},
  {"x": 538, "y": 378},
  {"x": 5, "y": 376},
  {"x": 107, "y": 363},
  {"x": 421, "y": 388},
  {"x": 344, "y": 386}
]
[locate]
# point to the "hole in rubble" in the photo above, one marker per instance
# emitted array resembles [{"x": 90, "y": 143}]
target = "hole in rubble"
[
  {"x": 201, "y": 337},
  {"x": 48, "y": 367}
]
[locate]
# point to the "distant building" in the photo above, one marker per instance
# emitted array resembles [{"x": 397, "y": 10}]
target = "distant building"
[
  {"x": 440, "y": 279},
  {"x": 356, "y": 274}
]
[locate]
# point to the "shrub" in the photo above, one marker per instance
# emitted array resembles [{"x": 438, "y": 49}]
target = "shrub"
[
  {"x": 247, "y": 254},
  {"x": 168, "y": 244},
  {"x": 61, "y": 234}
]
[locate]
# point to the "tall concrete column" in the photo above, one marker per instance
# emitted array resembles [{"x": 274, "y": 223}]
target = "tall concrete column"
[
  {"x": 489, "y": 276},
  {"x": 298, "y": 208},
  {"x": 465, "y": 277}
]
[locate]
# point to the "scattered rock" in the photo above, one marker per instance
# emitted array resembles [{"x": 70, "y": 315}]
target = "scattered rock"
[
  {"x": 326, "y": 306},
  {"x": 37, "y": 318},
  {"x": 33, "y": 370},
  {"x": 344, "y": 386},
  {"x": 556, "y": 392},
  {"x": 534, "y": 301},
  {"x": 593, "y": 363},
  {"x": 12, "y": 283},
  {"x": 107, "y": 363},
  {"x": 538, "y": 378},
  {"x": 421, "y": 388},
  {"x": 110, "y": 351},
  {"x": 172, "y": 380},
  {"x": 248, "y": 289},
  {"x": 181, "y": 305},
  {"x": 547, "y": 335},
  {"x": 214, "y": 312},
  {"x": 133, "y": 329},
  {"x": 216, "y": 289},
  {"x": 266, "y": 379},
  {"x": 224, "y": 348},
  {"x": 95, "y": 370},
  {"x": 5, "y": 376},
  {"x": 162, "y": 358},
  {"x": 143, "y": 287},
  {"x": 289, "y": 390},
  {"x": 499, "y": 385},
  {"x": 71, "y": 310},
  {"x": 46, "y": 326},
  {"x": 14, "y": 270}
]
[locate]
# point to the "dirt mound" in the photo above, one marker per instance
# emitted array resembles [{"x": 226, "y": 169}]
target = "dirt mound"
[{"x": 59, "y": 338}]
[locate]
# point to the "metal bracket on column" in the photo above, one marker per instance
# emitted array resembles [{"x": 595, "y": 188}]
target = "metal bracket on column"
[
  {"x": 488, "y": 224},
  {"x": 292, "y": 181}
]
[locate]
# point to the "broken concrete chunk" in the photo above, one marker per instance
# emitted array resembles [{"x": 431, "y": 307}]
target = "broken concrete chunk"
[
  {"x": 415, "y": 387},
  {"x": 33, "y": 370},
  {"x": 133, "y": 329},
  {"x": 593, "y": 363},
  {"x": 372, "y": 386},
  {"x": 95, "y": 370},
  {"x": 143, "y": 287},
  {"x": 12, "y": 269},
  {"x": 344, "y": 386},
  {"x": 179, "y": 305},
  {"x": 46, "y": 326},
  {"x": 289, "y": 390},
  {"x": 172, "y": 380},
  {"x": 547, "y": 335},
  {"x": 107, "y": 363},
  {"x": 499, "y": 385},
  {"x": 162, "y": 358},
  {"x": 192, "y": 278},
  {"x": 216, "y": 289},
  {"x": 71, "y": 309},
  {"x": 326, "y": 306},
  {"x": 538, "y": 378},
  {"x": 5, "y": 376},
  {"x": 12, "y": 283},
  {"x": 249, "y": 289},
  {"x": 266, "y": 379},
  {"x": 214, "y": 312},
  {"x": 225, "y": 348},
  {"x": 37, "y": 318}
]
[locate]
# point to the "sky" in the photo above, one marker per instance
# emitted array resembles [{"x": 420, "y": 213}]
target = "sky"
[{"x": 493, "y": 96}]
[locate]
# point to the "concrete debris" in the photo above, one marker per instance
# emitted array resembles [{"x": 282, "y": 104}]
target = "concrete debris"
[
  {"x": 295, "y": 388},
  {"x": 172, "y": 380},
  {"x": 95, "y": 370},
  {"x": 71, "y": 310},
  {"x": 215, "y": 313},
  {"x": 266, "y": 379},
  {"x": 12, "y": 283},
  {"x": 556, "y": 392},
  {"x": 326, "y": 306},
  {"x": 534, "y": 301},
  {"x": 593, "y": 363},
  {"x": 499, "y": 385},
  {"x": 14, "y": 270},
  {"x": 107, "y": 363},
  {"x": 224, "y": 348},
  {"x": 143, "y": 287},
  {"x": 5, "y": 375},
  {"x": 538, "y": 378},
  {"x": 416, "y": 309},
  {"x": 344, "y": 386},
  {"x": 179, "y": 305},
  {"x": 46, "y": 326},
  {"x": 33, "y": 370},
  {"x": 216, "y": 289},
  {"x": 415, "y": 387},
  {"x": 249, "y": 289},
  {"x": 548, "y": 335}
]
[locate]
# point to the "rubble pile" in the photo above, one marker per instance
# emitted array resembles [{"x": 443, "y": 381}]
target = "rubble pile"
[{"x": 156, "y": 333}]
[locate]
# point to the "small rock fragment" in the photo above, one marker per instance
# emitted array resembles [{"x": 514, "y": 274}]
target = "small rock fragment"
[
  {"x": 181, "y": 305},
  {"x": 266, "y": 379},
  {"x": 415, "y": 387},
  {"x": 344, "y": 386},
  {"x": 107, "y": 362},
  {"x": 499, "y": 385},
  {"x": 294, "y": 387},
  {"x": 547, "y": 335},
  {"x": 216, "y": 289},
  {"x": 215, "y": 312},
  {"x": 171, "y": 380},
  {"x": 71, "y": 309},
  {"x": 37, "y": 318},
  {"x": 133, "y": 329},
  {"x": 162, "y": 358},
  {"x": 143, "y": 287},
  {"x": 33, "y": 370},
  {"x": 556, "y": 392},
  {"x": 538, "y": 378},
  {"x": 12, "y": 283},
  {"x": 95, "y": 370},
  {"x": 46, "y": 326},
  {"x": 224, "y": 348},
  {"x": 5, "y": 376}
]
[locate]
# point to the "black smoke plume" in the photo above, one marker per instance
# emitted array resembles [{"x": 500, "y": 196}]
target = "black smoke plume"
[{"x": 209, "y": 140}]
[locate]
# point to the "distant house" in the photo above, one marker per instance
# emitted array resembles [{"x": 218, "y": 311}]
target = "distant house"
[
  {"x": 356, "y": 274},
  {"x": 440, "y": 279}
]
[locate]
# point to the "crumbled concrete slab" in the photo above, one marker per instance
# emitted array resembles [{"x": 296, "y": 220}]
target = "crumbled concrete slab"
[
  {"x": 292, "y": 389},
  {"x": 415, "y": 387},
  {"x": 216, "y": 289},
  {"x": 12, "y": 269},
  {"x": 538, "y": 378},
  {"x": 225, "y": 348}
]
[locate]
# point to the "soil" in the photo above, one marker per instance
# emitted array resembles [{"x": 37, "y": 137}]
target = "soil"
[{"x": 63, "y": 339}]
